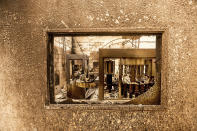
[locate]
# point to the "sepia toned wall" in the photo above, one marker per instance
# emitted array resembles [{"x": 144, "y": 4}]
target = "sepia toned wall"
[{"x": 23, "y": 62}]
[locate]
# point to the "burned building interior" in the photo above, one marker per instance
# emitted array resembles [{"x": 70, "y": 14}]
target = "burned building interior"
[
  {"x": 98, "y": 65},
  {"x": 104, "y": 69}
]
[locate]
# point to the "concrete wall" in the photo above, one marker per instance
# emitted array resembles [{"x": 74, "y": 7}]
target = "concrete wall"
[{"x": 23, "y": 62}]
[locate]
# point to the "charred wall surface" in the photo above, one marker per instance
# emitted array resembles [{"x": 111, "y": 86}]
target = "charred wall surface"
[{"x": 23, "y": 62}]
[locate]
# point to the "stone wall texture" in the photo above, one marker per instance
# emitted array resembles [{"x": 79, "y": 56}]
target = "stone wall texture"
[{"x": 23, "y": 63}]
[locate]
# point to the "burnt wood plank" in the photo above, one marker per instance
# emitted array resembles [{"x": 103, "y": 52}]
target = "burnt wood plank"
[{"x": 127, "y": 53}]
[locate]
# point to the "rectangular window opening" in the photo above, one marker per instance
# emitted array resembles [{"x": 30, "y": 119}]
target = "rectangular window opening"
[{"x": 122, "y": 69}]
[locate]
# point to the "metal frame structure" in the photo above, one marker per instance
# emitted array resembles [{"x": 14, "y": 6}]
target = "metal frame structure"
[
  {"x": 74, "y": 57},
  {"x": 119, "y": 53}
]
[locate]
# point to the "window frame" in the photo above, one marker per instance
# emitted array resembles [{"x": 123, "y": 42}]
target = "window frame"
[
  {"x": 49, "y": 35},
  {"x": 119, "y": 53}
]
